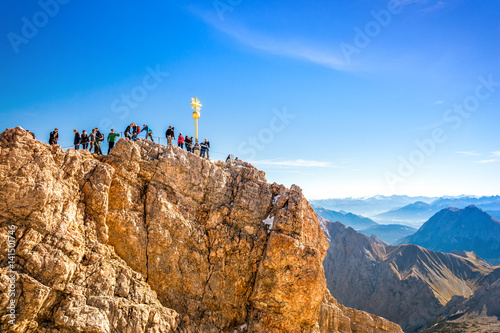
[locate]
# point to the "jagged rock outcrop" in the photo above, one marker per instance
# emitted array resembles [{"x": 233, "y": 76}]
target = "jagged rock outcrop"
[
  {"x": 478, "y": 313},
  {"x": 155, "y": 239},
  {"x": 406, "y": 284}
]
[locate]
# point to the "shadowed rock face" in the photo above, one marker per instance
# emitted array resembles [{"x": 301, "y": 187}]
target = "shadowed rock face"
[
  {"x": 155, "y": 239},
  {"x": 406, "y": 284}
]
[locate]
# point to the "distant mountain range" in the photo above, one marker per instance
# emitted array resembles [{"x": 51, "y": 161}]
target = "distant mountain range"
[
  {"x": 453, "y": 229},
  {"x": 370, "y": 206},
  {"x": 387, "y": 233},
  {"x": 415, "y": 213},
  {"x": 418, "y": 212},
  {"x": 357, "y": 222},
  {"x": 406, "y": 284},
  {"x": 402, "y": 209}
]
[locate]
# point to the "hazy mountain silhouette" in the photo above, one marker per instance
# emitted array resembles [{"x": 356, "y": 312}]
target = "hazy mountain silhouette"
[
  {"x": 389, "y": 233},
  {"x": 351, "y": 220},
  {"x": 453, "y": 229},
  {"x": 418, "y": 212},
  {"x": 371, "y": 205}
]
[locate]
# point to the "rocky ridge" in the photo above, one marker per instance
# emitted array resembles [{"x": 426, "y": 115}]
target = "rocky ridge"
[
  {"x": 155, "y": 239},
  {"x": 406, "y": 284}
]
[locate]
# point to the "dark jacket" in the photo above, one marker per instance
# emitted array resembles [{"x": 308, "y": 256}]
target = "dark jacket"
[
  {"x": 127, "y": 130},
  {"x": 77, "y": 139},
  {"x": 188, "y": 142},
  {"x": 53, "y": 137},
  {"x": 170, "y": 132},
  {"x": 99, "y": 136},
  {"x": 204, "y": 145},
  {"x": 134, "y": 130},
  {"x": 84, "y": 138}
]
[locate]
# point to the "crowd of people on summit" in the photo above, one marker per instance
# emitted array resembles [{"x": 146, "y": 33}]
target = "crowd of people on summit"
[{"x": 96, "y": 137}]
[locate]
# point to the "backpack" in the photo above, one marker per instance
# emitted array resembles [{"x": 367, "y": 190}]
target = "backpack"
[
  {"x": 99, "y": 136},
  {"x": 138, "y": 129}
]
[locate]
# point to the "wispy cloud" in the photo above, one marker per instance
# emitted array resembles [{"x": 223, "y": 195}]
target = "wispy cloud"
[
  {"x": 487, "y": 161},
  {"x": 295, "y": 163},
  {"x": 469, "y": 153},
  {"x": 496, "y": 153},
  {"x": 288, "y": 47},
  {"x": 437, "y": 6},
  {"x": 439, "y": 102}
]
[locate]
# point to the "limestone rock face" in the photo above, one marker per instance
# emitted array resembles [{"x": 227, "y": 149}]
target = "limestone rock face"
[{"x": 156, "y": 239}]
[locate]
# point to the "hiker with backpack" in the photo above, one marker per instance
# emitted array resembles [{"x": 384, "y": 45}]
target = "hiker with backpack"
[
  {"x": 149, "y": 132},
  {"x": 76, "y": 140},
  {"x": 54, "y": 136},
  {"x": 112, "y": 139},
  {"x": 99, "y": 137},
  {"x": 85, "y": 139}
]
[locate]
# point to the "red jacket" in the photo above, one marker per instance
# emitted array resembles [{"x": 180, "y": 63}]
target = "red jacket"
[{"x": 180, "y": 139}]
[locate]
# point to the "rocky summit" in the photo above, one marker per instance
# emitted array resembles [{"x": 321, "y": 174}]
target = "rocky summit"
[{"x": 155, "y": 239}]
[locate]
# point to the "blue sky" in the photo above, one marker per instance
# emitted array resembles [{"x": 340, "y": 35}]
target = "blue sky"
[{"x": 342, "y": 98}]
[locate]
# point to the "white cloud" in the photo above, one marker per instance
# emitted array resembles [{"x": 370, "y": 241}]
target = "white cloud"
[
  {"x": 439, "y": 102},
  {"x": 496, "y": 153},
  {"x": 469, "y": 153},
  {"x": 487, "y": 161},
  {"x": 295, "y": 163}
]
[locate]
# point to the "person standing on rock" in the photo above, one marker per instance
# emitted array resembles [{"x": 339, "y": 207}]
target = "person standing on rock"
[
  {"x": 170, "y": 135},
  {"x": 180, "y": 141},
  {"x": 135, "y": 131},
  {"x": 112, "y": 139},
  {"x": 76, "y": 140},
  {"x": 85, "y": 139},
  {"x": 92, "y": 140},
  {"x": 149, "y": 131},
  {"x": 204, "y": 148},
  {"x": 99, "y": 137},
  {"x": 54, "y": 136},
  {"x": 127, "y": 131},
  {"x": 196, "y": 148},
  {"x": 208, "y": 148},
  {"x": 189, "y": 142}
]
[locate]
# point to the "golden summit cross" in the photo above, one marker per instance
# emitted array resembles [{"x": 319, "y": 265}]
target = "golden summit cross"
[{"x": 196, "y": 103}]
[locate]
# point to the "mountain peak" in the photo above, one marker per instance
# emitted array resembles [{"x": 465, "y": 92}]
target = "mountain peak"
[
  {"x": 156, "y": 237},
  {"x": 467, "y": 229}
]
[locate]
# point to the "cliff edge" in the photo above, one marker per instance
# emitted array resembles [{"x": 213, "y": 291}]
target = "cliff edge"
[{"x": 155, "y": 239}]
